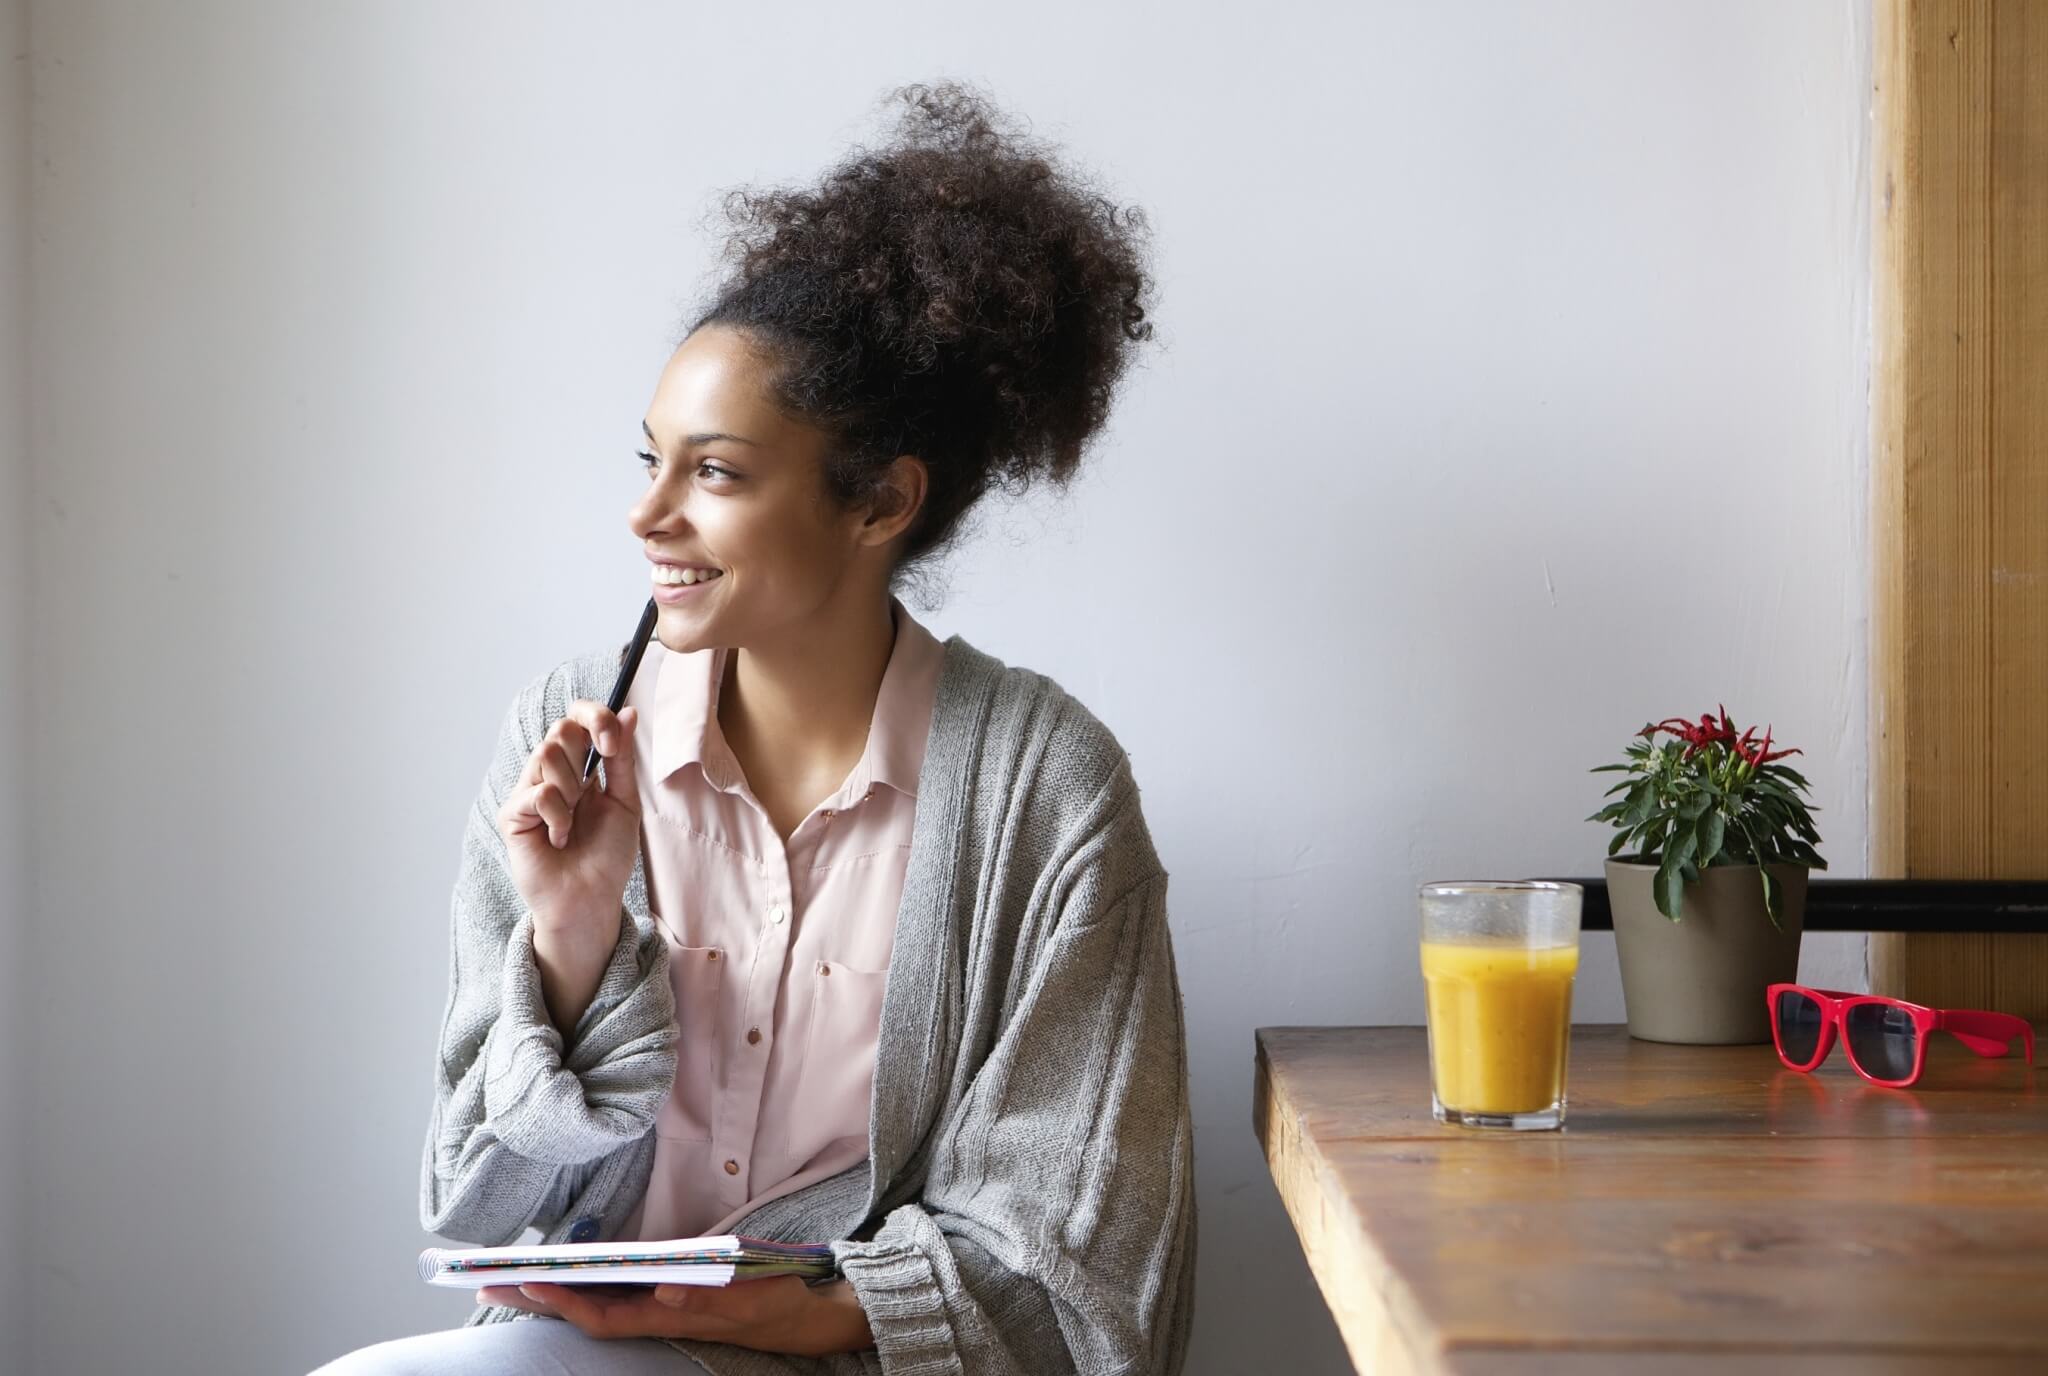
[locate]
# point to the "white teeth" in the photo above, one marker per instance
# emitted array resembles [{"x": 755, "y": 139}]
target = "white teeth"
[{"x": 669, "y": 575}]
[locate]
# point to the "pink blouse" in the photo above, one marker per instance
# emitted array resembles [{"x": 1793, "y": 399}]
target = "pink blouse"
[{"x": 778, "y": 953}]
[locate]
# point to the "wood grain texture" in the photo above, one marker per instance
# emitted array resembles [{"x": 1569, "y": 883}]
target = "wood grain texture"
[
  {"x": 1703, "y": 1207},
  {"x": 1478, "y": 1362},
  {"x": 1959, "y": 662}
]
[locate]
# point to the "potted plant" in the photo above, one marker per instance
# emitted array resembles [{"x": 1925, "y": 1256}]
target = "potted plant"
[{"x": 1710, "y": 896}]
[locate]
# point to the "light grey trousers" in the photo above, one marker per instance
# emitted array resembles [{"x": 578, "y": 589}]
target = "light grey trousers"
[{"x": 539, "y": 1346}]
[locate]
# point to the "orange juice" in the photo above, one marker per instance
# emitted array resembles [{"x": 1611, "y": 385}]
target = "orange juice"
[{"x": 1499, "y": 1024}]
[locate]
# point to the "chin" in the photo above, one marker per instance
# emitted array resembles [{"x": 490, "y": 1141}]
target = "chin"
[{"x": 677, "y": 639}]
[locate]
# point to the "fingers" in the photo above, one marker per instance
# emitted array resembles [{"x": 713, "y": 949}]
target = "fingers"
[
  {"x": 562, "y": 1300},
  {"x": 600, "y": 1317},
  {"x": 561, "y": 784},
  {"x": 621, "y": 770},
  {"x": 587, "y": 721},
  {"x": 514, "y": 1297},
  {"x": 538, "y": 807},
  {"x": 552, "y": 782}
]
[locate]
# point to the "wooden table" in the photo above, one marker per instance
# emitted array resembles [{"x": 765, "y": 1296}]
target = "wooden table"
[{"x": 1703, "y": 1210}]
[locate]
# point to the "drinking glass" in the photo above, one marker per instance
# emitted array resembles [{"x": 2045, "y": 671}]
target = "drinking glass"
[{"x": 1498, "y": 960}]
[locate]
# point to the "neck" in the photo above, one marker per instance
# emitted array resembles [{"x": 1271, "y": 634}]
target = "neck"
[{"x": 808, "y": 693}]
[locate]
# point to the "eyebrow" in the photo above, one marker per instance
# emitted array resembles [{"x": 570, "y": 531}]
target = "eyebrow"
[{"x": 705, "y": 437}]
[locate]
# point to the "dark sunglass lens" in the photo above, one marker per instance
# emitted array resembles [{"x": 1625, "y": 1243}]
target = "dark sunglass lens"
[
  {"x": 1882, "y": 1039},
  {"x": 1798, "y": 1026}
]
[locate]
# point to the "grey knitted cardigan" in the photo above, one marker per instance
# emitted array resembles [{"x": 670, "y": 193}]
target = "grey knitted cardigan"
[{"x": 1028, "y": 1201}]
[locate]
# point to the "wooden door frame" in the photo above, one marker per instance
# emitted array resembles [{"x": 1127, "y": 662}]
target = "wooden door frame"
[{"x": 1959, "y": 392}]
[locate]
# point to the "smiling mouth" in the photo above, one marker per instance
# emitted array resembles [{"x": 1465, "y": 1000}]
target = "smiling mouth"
[
  {"x": 668, "y": 576},
  {"x": 673, "y": 592}
]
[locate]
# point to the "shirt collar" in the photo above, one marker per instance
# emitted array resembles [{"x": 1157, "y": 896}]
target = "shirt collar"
[
  {"x": 903, "y": 707},
  {"x": 685, "y": 717},
  {"x": 685, "y": 724}
]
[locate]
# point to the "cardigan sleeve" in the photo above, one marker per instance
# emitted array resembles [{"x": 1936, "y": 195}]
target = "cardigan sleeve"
[
  {"x": 1055, "y": 1229},
  {"x": 521, "y": 1114}
]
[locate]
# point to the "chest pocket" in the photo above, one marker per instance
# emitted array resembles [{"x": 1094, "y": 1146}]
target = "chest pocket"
[
  {"x": 697, "y": 974},
  {"x": 837, "y": 1081}
]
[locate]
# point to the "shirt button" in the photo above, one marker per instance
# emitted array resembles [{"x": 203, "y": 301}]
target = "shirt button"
[
  {"x": 753, "y": 1036},
  {"x": 732, "y": 1168},
  {"x": 777, "y": 913},
  {"x": 824, "y": 969},
  {"x": 584, "y": 1230}
]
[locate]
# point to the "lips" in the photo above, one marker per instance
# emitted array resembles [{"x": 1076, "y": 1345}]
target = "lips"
[{"x": 680, "y": 592}]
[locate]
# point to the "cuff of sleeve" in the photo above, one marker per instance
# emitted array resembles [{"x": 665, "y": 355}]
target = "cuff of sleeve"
[
  {"x": 533, "y": 1100},
  {"x": 622, "y": 975},
  {"x": 905, "y": 1308}
]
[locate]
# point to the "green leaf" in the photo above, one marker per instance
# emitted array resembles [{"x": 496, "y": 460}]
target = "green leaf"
[
  {"x": 1614, "y": 846},
  {"x": 1670, "y": 889},
  {"x": 1771, "y": 898},
  {"x": 1692, "y": 807},
  {"x": 1642, "y": 801},
  {"x": 1712, "y": 830},
  {"x": 1670, "y": 882},
  {"x": 1609, "y": 768},
  {"x": 1756, "y": 855}
]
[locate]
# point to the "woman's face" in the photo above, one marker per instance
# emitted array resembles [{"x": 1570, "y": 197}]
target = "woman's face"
[{"x": 736, "y": 494}]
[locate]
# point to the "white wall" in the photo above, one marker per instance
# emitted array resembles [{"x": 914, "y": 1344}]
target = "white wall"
[
  {"x": 15, "y": 790},
  {"x": 1513, "y": 393}
]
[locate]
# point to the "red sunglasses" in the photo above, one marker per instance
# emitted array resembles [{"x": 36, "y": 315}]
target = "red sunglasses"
[{"x": 1886, "y": 1038}]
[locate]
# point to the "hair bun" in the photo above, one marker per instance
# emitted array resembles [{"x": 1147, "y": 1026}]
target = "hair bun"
[{"x": 958, "y": 293}]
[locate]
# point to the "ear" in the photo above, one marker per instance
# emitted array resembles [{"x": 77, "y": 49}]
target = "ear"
[{"x": 898, "y": 499}]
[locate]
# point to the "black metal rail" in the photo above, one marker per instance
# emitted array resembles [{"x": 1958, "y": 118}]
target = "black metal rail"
[{"x": 1892, "y": 905}]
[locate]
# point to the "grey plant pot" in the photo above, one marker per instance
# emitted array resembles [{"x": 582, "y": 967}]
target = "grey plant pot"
[{"x": 1701, "y": 980}]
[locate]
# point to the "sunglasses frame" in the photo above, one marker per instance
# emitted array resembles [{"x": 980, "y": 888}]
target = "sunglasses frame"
[{"x": 1987, "y": 1034}]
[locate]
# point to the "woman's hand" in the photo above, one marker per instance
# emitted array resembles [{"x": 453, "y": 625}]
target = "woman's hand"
[
  {"x": 570, "y": 847},
  {"x": 570, "y": 851},
  {"x": 772, "y": 1314}
]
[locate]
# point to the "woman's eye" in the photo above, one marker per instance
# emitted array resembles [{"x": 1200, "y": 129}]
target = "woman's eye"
[{"x": 704, "y": 466}]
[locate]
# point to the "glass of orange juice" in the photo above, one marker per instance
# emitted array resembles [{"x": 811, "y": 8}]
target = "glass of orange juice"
[{"x": 1498, "y": 959}]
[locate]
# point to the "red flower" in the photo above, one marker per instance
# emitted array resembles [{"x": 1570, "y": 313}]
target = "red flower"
[
  {"x": 1763, "y": 753},
  {"x": 1698, "y": 735}
]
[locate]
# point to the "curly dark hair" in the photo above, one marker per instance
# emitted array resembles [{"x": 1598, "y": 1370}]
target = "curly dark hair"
[{"x": 957, "y": 295}]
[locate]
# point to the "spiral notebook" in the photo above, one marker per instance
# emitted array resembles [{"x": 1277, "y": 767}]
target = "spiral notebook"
[{"x": 672, "y": 1261}]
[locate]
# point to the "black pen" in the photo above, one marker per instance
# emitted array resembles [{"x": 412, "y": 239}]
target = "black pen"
[{"x": 629, "y": 665}]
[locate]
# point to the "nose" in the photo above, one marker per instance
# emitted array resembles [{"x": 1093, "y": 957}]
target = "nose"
[{"x": 648, "y": 516}]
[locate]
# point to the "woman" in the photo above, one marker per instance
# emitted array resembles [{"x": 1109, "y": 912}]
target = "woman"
[{"x": 855, "y": 936}]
